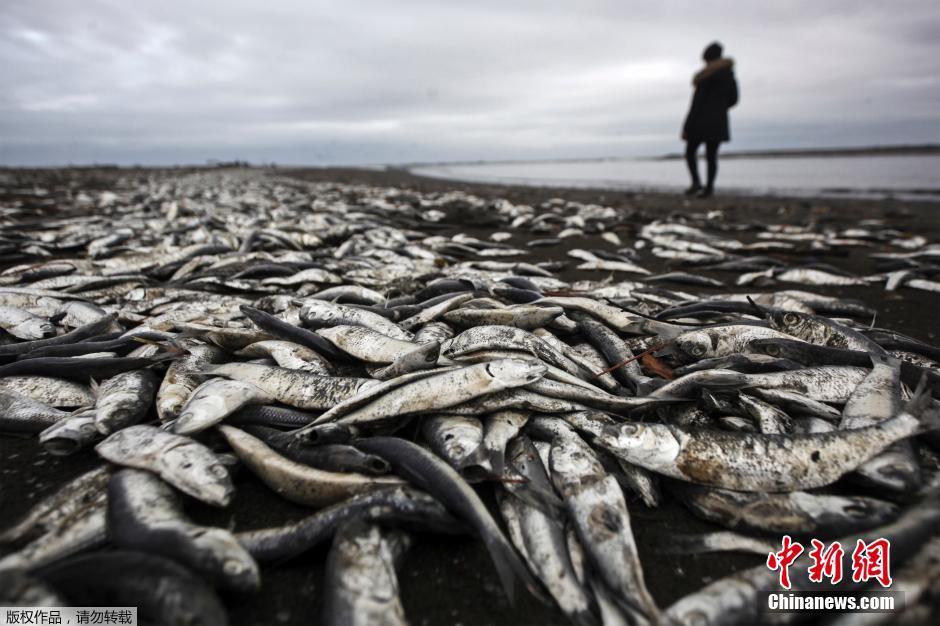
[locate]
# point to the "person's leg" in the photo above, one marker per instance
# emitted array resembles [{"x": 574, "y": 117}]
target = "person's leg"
[
  {"x": 711, "y": 156},
  {"x": 691, "y": 159}
]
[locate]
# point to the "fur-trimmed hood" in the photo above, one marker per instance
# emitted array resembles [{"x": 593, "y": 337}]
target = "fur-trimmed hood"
[{"x": 710, "y": 69}]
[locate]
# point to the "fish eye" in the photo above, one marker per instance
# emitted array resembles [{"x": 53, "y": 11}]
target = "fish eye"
[
  {"x": 790, "y": 319},
  {"x": 856, "y": 510},
  {"x": 697, "y": 618},
  {"x": 629, "y": 429},
  {"x": 772, "y": 350},
  {"x": 698, "y": 350},
  {"x": 233, "y": 568}
]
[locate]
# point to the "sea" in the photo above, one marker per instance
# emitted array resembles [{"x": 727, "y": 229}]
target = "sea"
[{"x": 907, "y": 177}]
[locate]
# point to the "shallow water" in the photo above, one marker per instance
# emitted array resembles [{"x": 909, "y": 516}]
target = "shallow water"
[{"x": 912, "y": 177}]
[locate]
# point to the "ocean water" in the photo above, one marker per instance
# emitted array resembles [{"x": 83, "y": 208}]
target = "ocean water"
[{"x": 911, "y": 177}]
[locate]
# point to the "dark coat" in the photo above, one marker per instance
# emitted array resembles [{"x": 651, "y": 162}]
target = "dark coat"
[{"x": 716, "y": 91}]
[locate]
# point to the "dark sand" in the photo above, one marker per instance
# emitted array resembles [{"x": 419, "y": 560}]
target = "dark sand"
[{"x": 449, "y": 580}]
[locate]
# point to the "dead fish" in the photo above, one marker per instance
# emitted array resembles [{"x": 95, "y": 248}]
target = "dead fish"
[
  {"x": 290, "y": 355},
  {"x": 51, "y": 514},
  {"x": 56, "y": 392},
  {"x": 295, "y": 482},
  {"x": 182, "y": 377},
  {"x": 400, "y": 506},
  {"x": 541, "y": 536},
  {"x": 366, "y": 344},
  {"x": 794, "y": 512},
  {"x": 598, "y": 510},
  {"x": 20, "y": 414},
  {"x": 498, "y": 429},
  {"x": 186, "y": 464},
  {"x": 319, "y": 314},
  {"x": 720, "y": 341},
  {"x": 124, "y": 400},
  {"x": 524, "y": 317},
  {"x": 70, "y": 434},
  {"x": 295, "y": 388},
  {"x": 876, "y": 399},
  {"x": 456, "y": 439},
  {"x": 362, "y": 585},
  {"x": 213, "y": 401},
  {"x": 422, "y": 358},
  {"x": 442, "y": 481},
  {"x": 445, "y": 390},
  {"x": 823, "y": 331},
  {"x": 163, "y": 591},
  {"x": 757, "y": 462},
  {"x": 67, "y": 523},
  {"x": 145, "y": 514},
  {"x": 24, "y": 325}
]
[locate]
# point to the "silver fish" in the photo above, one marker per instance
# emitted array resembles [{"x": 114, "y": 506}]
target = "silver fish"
[{"x": 186, "y": 464}]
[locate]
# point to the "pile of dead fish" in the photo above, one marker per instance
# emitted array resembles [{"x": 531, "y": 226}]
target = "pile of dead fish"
[{"x": 344, "y": 346}]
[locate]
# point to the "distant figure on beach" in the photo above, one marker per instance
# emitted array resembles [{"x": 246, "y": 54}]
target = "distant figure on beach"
[{"x": 716, "y": 91}]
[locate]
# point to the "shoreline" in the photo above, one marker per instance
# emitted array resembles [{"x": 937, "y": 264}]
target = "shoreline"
[
  {"x": 654, "y": 201},
  {"x": 845, "y": 193}
]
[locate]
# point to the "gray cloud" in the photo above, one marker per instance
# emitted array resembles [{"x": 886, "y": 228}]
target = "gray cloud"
[{"x": 359, "y": 82}]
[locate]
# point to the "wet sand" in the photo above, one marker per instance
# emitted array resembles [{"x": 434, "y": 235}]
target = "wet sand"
[{"x": 450, "y": 580}]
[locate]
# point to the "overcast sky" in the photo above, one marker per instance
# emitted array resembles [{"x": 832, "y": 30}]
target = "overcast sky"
[{"x": 306, "y": 82}]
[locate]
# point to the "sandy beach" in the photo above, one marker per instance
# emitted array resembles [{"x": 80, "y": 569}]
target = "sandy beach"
[{"x": 449, "y": 580}]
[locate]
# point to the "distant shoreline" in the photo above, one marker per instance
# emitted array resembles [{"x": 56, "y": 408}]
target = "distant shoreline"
[
  {"x": 904, "y": 150},
  {"x": 928, "y": 149}
]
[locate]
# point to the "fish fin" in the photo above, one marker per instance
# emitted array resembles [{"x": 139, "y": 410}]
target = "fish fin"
[
  {"x": 921, "y": 401},
  {"x": 94, "y": 386},
  {"x": 762, "y": 312},
  {"x": 923, "y": 408}
]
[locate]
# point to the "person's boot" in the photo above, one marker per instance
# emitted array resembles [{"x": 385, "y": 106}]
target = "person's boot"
[
  {"x": 694, "y": 189},
  {"x": 705, "y": 192}
]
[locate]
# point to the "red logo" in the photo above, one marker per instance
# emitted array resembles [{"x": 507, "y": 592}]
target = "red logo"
[
  {"x": 827, "y": 563},
  {"x": 872, "y": 561},
  {"x": 783, "y": 559},
  {"x": 869, "y": 561}
]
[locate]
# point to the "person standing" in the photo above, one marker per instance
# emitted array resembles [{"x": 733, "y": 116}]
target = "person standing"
[{"x": 716, "y": 91}]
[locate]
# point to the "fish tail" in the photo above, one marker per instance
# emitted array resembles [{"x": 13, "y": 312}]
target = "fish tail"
[
  {"x": 923, "y": 407},
  {"x": 511, "y": 570}
]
